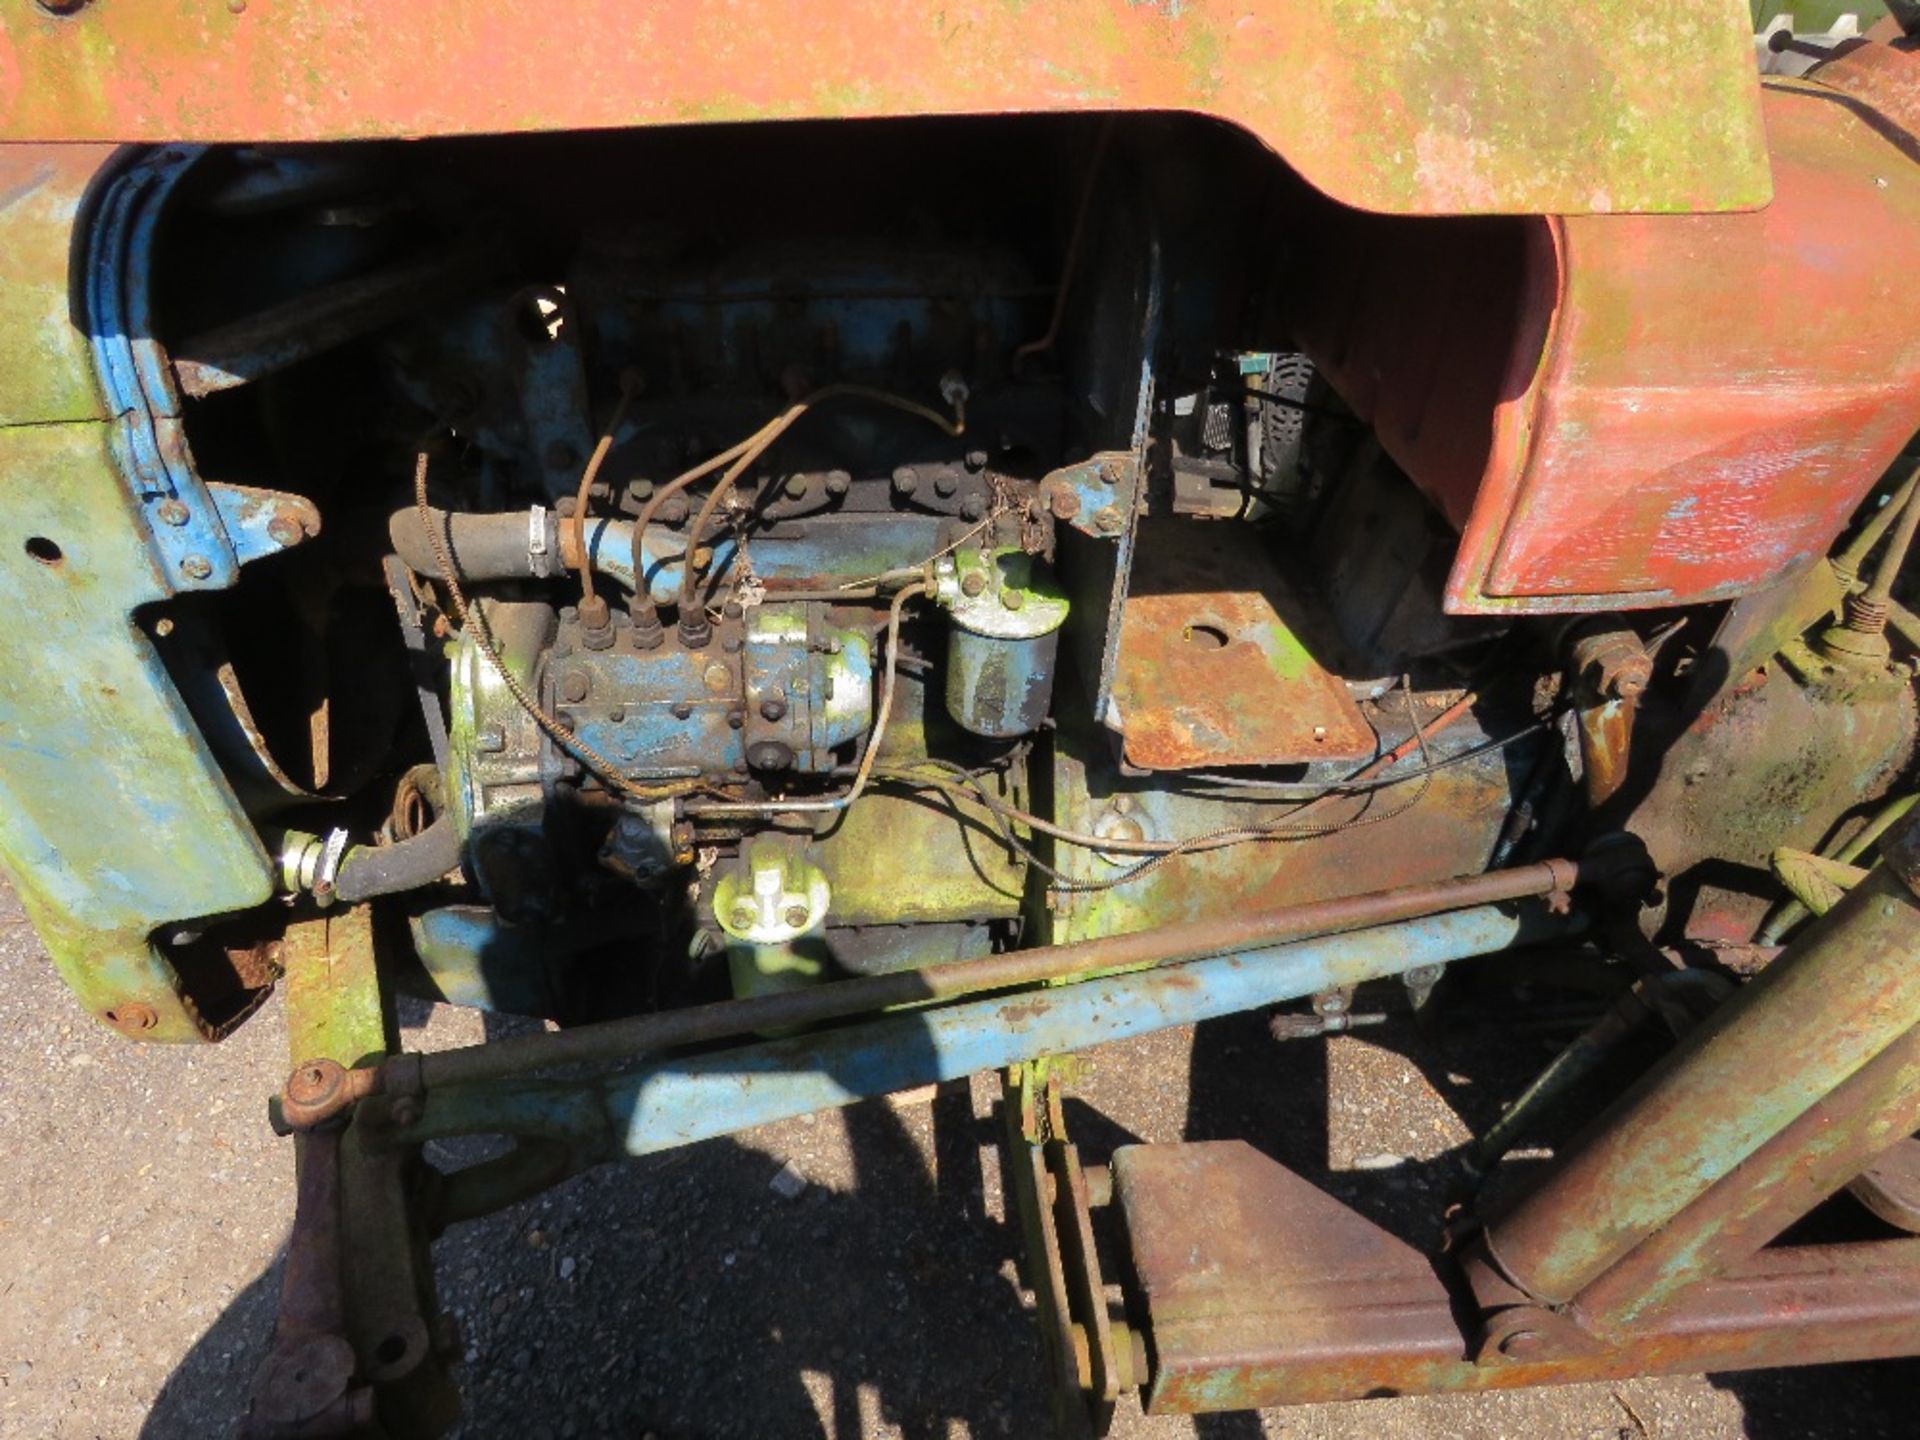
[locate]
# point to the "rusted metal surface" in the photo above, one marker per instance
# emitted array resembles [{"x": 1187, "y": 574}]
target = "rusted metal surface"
[
  {"x": 1843, "y": 993},
  {"x": 1890, "y": 1187},
  {"x": 1781, "y": 1182},
  {"x": 1545, "y": 381},
  {"x": 1260, "y": 1291},
  {"x": 1222, "y": 934},
  {"x": 1215, "y": 666},
  {"x": 1440, "y": 113},
  {"x": 334, "y": 1009}
]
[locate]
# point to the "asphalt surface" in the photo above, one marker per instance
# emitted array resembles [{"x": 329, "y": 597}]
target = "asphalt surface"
[{"x": 143, "y": 1204}]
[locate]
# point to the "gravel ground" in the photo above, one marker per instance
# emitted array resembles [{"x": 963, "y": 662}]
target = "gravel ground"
[{"x": 143, "y": 1202}]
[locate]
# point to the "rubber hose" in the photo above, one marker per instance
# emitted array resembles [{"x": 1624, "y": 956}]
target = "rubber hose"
[
  {"x": 484, "y": 547},
  {"x": 369, "y": 870}
]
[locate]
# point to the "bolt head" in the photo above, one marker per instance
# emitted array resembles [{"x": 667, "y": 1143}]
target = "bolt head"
[
  {"x": 1063, "y": 502},
  {"x": 284, "y": 532},
  {"x": 838, "y": 482},
  {"x": 796, "y": 487},
  {"x": 1109, "y": 521},
  {"x": 744, "y": 914},
  {"x": 945, "y": 484},
  {"x": 973, "y": 507},
  {"x": 1013, "y": 599},
  {"x": 172, "y": 512},
  {"x": 573, "y": 686},
  {"x": 796, "y": 917},
  {"x": 906, "y": 480},
  {"x": 972, "y": 583},
  {"x": 682, "y": 710},
  {"x": 196, "y": 567},
  {"x": 773, "y": 708}
]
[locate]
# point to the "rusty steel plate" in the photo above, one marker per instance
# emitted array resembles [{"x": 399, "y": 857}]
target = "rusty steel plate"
[
  {"x": 1213, "y": 669},
  {"x": 1450, "y": 106}
]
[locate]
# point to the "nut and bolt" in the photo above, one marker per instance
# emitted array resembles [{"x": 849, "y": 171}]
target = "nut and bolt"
[
  {"x": 196, "y": 567},
  {"x": 736, "y": 718},
  {"x": 796, "y": 917},
  {"x": 1013, "y": 599},
  {"x": 132, "y": 1017},
  {"x": 838, "y": 482},
  {"x": 1063, "y": 502},
  {"x": 744, "y": 914},
  {"x": 173, "y": 512},
  {"x": 906, "y": 480},
  {"x": 972, "y": 583},
  {"x": 1110, "y": 472},
  {"x": 774, "y": 707},
  {"x": 976, "y": 460},
  {"x": 1109, "y": 521},
  {"x": 796, "y": 487},
  {"x": 945, "y": 483},
  {"x": 574, "y": 685},
  {"x": 283, "y": 531}
]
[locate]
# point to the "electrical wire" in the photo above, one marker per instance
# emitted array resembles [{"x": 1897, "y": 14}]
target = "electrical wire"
[
  {"x": 472, "y": 621},
  {"x": 735, "y": 459},
  {"x": 772, "y": 431},
  {"x": 629, "y": 387}
]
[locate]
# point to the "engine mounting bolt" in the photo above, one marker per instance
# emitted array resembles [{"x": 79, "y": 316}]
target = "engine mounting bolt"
[
  {"x": 736, "y": 718},
  {"x": 573, "y": 686},
  {"x": 1013, "y": 599},
  {"x": 796, "y": 487},
  {"x": 973, "y": 507},
  {"x": 796, "y": 917},
  {"x": 905, "y": 480},
  {"x": 774, "y": 707},
  {"x": 838, "y": 482},
  {"x": 976, "y": 460},
  {"x": 682, "y": 710},
  {"x": 284, "y": 532},
  {"x": 972, "y": 583},
  {"x": 1108, "y": 521},
  {"x": 196, "y": 567},
  {"x": 173, "y": 512}
]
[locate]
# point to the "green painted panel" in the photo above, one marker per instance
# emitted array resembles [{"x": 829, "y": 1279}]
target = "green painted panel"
[
  {"x": 114, "y": 818},
  {"x": 46, "y": 367}
]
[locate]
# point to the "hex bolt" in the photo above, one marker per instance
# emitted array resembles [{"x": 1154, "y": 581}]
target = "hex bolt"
[
  {"x": 838, "y": 482},
  {"x": 574, "y": 685},
  {"x": 973, "y": 507},
  {"x": 945, "y": 483},
  {"x": 1013, "y": 599},
  {"x": 196, "y": 567},
  {"x": 796, "y": 487},
  {"x": 173, "y": 512},
  {"x": 976, "y": 460},
  {"x": 905, "y": 480},
  {"x": 284, "y": 532},
  {"x": 773, "y": 708},
  {"x": 796, "y": 917},
  {"x": 1108, "y": 521},
  {"x": 972, "y": 583}
]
